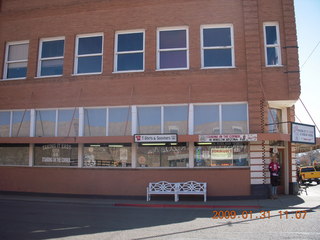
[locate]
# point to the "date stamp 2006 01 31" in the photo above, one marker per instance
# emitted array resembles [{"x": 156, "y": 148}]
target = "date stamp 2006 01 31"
[{"x": 258, "y": 215}]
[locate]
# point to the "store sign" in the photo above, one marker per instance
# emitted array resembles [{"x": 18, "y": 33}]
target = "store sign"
[
  {"x": 153, "y": 138},
  {"x": 229, "y": 138},
  {"x": 55, "y": 152},
  {"x": 221, "y": 153},
  {"x": 303, "y": 133}
]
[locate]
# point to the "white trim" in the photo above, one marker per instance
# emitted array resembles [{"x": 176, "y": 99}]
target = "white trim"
[
  {"x": 40, "y": 59},
  {"x": 276, "y": 46},
  {"x": 7, "y": 62},
  {"x": 186, "y": 28},
  {"x": 230, "y": 26},
  {"x": 77, "y": 56},
  {"x": 116, "y": 53}
]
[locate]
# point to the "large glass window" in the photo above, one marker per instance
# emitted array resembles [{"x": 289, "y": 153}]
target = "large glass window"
[
  {"x": 221, "y": 154},
  {"x": 217, "y": 46},
  {"x": 173, "y": 49},
  {"x": 129, "y": 54},
  {"x": 95, "y": 122},
  {"x": 176, "y": 119},
  {"x": 21, "y": 123},
  {"x": 14, "y": 154},
  {"x": 51, "y": 57},
  {"x": 89, "y": 54},
  {"x": 56, "y": 155},
  {"x": 119, "y": 121},
  {"x": 5, "y": 124},
  {"x": 272, "y": 44},
  {"x": 234, "y": 118},
  {"x": 206, "y": 119},
  {"x": 68, "y": 122},
  {"x": 16, "y": 60},
  {"x": 149, "y": 120},
  {"x": 107, "y": 155},
  {"x": 163, "y": 156},
  {"x": 46, "y": 123}
]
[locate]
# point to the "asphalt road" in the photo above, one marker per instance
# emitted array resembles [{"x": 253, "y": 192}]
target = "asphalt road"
[{"x": 37, "y": 219}]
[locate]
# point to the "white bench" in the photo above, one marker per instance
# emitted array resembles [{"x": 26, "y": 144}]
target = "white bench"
[{"x": 176, "y": 189}]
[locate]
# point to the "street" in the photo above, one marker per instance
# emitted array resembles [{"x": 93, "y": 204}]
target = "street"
[{"x": 290, "y": 217}]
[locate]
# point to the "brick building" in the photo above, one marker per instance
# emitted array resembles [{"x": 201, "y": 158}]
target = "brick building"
[{"x": 83, "y": 81}]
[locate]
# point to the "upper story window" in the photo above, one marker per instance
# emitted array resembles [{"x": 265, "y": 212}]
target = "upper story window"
[
  {"x": 129, "y": 51},
  {"x": 51, "y": 57},
  {"x": 272, "y": 44},
  {"x": 16, "y": 60},
  {"x": 173, "y": 49},
  {"x": 89, "y": 51},
  {"x": 217, "y": 46}
]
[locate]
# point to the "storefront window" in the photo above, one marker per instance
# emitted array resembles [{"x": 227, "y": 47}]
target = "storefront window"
[
  {"x": 107, "y": 155},
  {"x": 234, "y": 118},
  {"x": 120, "y": 121},
  {"x": 176, "y": 119},
  {"x": 163, "y": 156},
  {"x": 149, "y": 119},
  {"x": 221, "y": 155},
  {"x": 14, "y": 154},
  {"x": 95, "y": 122},
  {"x": 45, "y": 123},
  {"x": 56, "y": 155},
  {"x": 206, "y": 119},
  {"x": 21, "y": 123},
  {"x": 5, "y": 124},
  {"x": 68, "y": 122}
]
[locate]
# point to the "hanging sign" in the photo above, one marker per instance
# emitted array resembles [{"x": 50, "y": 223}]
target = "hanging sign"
[
  {"x": 155, "y": 138},
  {"x": 303, "y": 133},
  {"x": 229, "y": 138}
]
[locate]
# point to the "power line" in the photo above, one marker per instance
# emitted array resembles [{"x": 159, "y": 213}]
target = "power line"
[
  {"x": 309, "y": 115},
  {"x": 310, "y": 54}
]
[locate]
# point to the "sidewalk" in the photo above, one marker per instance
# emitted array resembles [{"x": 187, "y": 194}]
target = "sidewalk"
[{"x": 283, "y": 202}]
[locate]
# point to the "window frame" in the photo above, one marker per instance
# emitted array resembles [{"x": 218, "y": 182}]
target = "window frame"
[
  {"x": 276, "y": 46},
  {"x": 7, "y": 62},
  {"x": 116, "y": 53},
  {"x": 77, "y": 56},
  {"x": 40, "y": 59},
  {"x": 231, "y": 47},
  {"x": 186, "y": 28}
]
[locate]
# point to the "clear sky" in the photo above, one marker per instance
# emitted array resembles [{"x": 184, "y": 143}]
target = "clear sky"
[{"x": 308, "y": 31}]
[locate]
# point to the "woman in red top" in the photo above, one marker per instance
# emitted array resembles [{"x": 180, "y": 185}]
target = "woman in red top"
[{"x": 274, "y": 169}]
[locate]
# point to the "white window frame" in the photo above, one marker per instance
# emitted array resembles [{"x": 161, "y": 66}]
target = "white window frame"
[
  {"x": 77, "y": 56},
  {"x": 220, "y": 114},
  {"x": 7, "y": 62},
  {"x": 116, "y": 53},
  {"x": 186, "y": 28},
  {"x": 276, "y": 46},
  {"x": 42, "y": 40},
  {"x": 230, "y": 26}
]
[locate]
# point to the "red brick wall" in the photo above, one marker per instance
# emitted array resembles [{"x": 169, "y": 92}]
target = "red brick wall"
[{"x": 32, "y": 20}]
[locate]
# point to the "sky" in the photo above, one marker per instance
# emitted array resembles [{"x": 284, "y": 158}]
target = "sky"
[{"x": 308, "y": 31}]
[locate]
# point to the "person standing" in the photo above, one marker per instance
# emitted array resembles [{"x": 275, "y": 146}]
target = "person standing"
[{"x": 274, "y": 169}]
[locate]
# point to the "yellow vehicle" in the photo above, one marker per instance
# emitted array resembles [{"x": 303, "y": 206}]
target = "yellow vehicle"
[{"x": 309, "y": 174}]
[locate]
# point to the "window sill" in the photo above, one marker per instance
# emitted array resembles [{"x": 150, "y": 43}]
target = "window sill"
[
  {"x": 12, "y": 79},
  {"x": 172, "y": 69},
  {"x": 51, "y": 76},
  {"x": 86, "y": 74},
  {"x": 131, "y": 71},
  {"x": 226, "y": 67}
]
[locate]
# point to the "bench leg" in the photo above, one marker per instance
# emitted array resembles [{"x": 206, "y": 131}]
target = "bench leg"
[
  {"x": 205, "y": 198},
  {"x": 176, "y": 197}
]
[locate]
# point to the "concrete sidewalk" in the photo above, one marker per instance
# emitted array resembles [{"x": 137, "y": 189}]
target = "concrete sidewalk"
[{"x": 311, "y": 201}]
